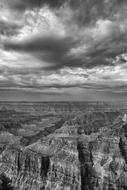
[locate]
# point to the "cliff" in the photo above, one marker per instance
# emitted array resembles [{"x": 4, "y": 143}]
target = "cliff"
[
  {"x": 85, "y": 153},
  {"x": 50, "y": 163}
]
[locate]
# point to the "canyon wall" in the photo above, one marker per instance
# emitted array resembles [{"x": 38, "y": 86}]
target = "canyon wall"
[
  {"x": 51, "y": 164},
  {"x": 88, "y": 152}
]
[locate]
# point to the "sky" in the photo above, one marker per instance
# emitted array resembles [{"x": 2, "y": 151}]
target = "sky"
[{"x": 63, "y": 50}]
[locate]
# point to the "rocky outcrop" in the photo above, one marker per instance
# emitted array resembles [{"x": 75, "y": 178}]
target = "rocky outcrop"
[
  {"x": 123, "y": 147},
  {"x": 85, "y": 153},
  {"x": 51, "y": 164},
  {"x": 24, "y": 168},
  {"x": 86, "y": 166},
  {"x": 103, "y": 166}
]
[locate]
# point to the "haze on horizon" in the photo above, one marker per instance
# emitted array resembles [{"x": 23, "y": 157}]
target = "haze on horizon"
[{"x": 63, "y": 50}]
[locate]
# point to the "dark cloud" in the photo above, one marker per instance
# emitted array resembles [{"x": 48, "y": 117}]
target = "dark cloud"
[
  {"x": 22, "y": 5},
  {"x": 87, "y": 12},
  {"x": 90, "y": 86},
  {"x": 99, "y": 27},
  {"x": 29, "y": 91},
  {"x": 9, "y": 28},
  {"x": 53, "y": 50},
  {"x": 56, "y": 86},
  {"x": 46, "y": 44},
  {"x": 110, "y": 47},
  {"x": 105, "y": 51},
  {"x": 106, "y": 87}
]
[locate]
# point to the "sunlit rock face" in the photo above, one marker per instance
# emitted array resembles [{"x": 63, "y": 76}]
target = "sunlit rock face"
[{"x": 86, "y": 152}]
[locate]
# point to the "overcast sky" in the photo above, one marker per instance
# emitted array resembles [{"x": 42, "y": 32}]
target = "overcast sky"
[{"x": 63, "y": 50}]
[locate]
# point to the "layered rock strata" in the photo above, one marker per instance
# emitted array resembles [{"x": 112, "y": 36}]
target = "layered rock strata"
[
  {"x": 76, "y": 156},
  {"x": 52, "y": 164}
]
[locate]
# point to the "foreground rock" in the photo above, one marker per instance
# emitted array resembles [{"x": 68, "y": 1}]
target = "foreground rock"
[{"x": 51, "y": 163}]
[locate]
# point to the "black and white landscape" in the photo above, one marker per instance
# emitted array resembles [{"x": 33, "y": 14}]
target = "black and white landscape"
[{"x": 63, "y": 93}]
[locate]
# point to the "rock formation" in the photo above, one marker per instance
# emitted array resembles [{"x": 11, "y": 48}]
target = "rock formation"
[{"x": 84, "y": 151}]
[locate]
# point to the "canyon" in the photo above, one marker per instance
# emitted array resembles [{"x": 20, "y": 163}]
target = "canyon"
[{"x": 62, "y": 146}]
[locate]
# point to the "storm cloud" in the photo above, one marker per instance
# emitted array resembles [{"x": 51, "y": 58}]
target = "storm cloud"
[
  {"x": 22, "y": 5},
  {"x": 64, "y": 47},
  {"x": 54, "y": 50}
]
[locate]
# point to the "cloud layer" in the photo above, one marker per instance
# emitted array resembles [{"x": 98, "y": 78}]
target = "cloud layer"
[{"x": 64, "y": 47}]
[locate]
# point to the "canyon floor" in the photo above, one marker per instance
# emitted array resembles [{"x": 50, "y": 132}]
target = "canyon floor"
[{"x": 62, "y": 146}]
